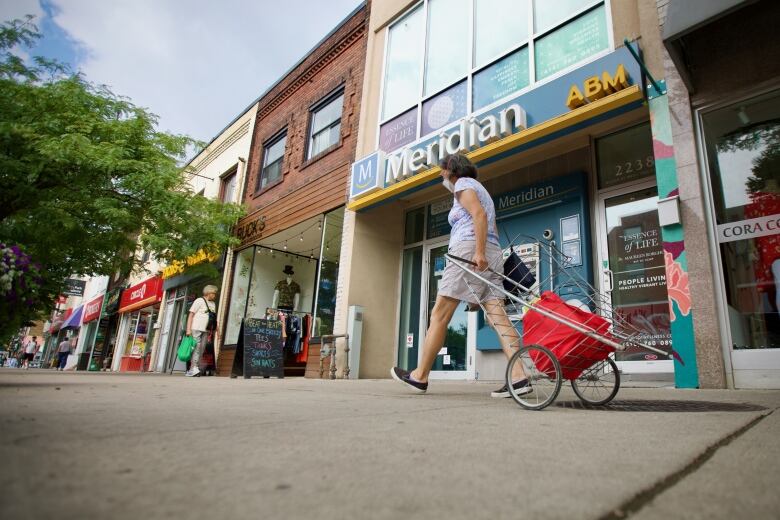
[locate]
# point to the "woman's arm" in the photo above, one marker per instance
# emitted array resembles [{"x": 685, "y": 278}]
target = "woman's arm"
[
  {"x": 191, "y": 315},
  {"x": 469, "y": 200}
]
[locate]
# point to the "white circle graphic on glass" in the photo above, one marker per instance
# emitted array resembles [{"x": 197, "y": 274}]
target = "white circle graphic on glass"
[{"x": 440, "y": 112}]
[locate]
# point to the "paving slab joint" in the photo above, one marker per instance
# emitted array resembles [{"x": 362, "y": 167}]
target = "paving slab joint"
[{"x": 640, "y": 500}]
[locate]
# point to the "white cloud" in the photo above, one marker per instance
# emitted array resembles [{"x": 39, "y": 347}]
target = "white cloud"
[
  {"x": 196, "y": 64},
  {"x": 11, "y": 9},
  {"x": 18, "y": 9}
]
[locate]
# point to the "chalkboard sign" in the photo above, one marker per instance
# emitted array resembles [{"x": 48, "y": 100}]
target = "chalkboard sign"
[
  {"x": 260, "y": 349},
  {"x": 572, "y": 43}
]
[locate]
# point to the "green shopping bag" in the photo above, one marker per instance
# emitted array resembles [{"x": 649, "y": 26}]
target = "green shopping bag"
[{"x": 186, "y": 347}]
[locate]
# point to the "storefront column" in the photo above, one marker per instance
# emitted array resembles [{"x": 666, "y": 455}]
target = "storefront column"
[{"x": 680, "y": 313}]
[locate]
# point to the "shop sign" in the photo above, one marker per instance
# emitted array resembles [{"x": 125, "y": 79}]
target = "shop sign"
[
  {"x": 596, "y": 87},
  {"x": 145, "y": 293},
  {"x": 398, "y": 132},
  {"x": 250, "y": 230},
  {"x": 540, "y": 194},
  {"x": 751, "y": 228},
  {"x": 112, "y": 302},
  {"x": 368, "y": 175},
  {"x": 371, "y": 174},
  {"x": 178, "y": 267},
  {"x": 470, "y": 133},
  {"x": 74, "y": 287},
  {"x": 92, "y": 309}
]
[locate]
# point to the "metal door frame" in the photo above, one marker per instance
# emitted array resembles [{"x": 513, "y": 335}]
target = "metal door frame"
[
  {"x": 471, "y": 333},
  {"x": 635, "y": 367}
]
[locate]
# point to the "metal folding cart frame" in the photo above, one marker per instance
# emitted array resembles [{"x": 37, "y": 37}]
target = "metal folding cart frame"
[{"x": 560, "y": 340}]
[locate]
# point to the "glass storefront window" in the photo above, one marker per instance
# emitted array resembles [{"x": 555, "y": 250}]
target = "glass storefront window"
[
  {"x": 325, "y": 310},
  {"x": 443, "y": 48},
  {"x": 625, "y": 156},
  {"x": 443, "y": 109},
  {"x": 402, "y": 68},
  {"x": 637, "y": 262},
  {"x": 499, "y": 80},
  {"x": 743, "y": 153},
  {"x": 415, "y": 226},
  {"x": 447, "y": 59},
  {"x": 547, "y": 14},
  {"x": 408, "y": 334},
  {"x": 498, "y": 25},
  {"x": 582, "y": 37},
  {"x": 452, "y": 356},
  {"x": 238, "y": 295},
  {"x": 398, "y": 132},
  {"x": 438, "y": 218}
]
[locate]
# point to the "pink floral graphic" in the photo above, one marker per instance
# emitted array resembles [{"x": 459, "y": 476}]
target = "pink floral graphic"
[{"x": 677, "y": 286}]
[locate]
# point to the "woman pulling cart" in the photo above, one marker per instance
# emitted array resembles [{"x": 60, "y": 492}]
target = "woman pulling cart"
[
  {"x": 473, "y": 237},
  {"x": 561, "y": 340}
]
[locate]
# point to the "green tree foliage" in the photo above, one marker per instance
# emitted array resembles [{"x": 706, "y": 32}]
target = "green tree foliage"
[{"x": 85, "y": 175}]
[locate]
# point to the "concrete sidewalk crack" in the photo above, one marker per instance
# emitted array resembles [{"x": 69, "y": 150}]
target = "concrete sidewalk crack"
[{"x": 640, "y": 500}]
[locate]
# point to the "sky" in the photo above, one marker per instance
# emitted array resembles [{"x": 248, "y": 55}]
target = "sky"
[{"x": 197, "y": 64}]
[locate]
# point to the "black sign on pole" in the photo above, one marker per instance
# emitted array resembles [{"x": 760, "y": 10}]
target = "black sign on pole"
[
  {"x": 74, "y": 287},
  {"x": 260, "y": 349}
]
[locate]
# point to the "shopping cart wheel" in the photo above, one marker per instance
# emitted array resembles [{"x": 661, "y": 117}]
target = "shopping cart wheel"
[
  {"x": 598, "y": 384},
  {"x": 543, "y": 371}
]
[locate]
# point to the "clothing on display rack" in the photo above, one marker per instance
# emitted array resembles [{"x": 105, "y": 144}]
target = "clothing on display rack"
[{"x": 303, "y": 356}]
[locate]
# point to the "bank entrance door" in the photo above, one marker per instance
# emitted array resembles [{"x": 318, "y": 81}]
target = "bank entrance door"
[
  {"x": 633, "y": 273},
  {"x": 456, "y": 358}
]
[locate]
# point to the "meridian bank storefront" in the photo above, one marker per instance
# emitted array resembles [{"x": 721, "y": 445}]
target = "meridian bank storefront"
[{"x": 558, "y": 123}]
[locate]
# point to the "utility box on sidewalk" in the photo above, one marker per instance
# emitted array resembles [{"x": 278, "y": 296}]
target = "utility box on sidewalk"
[{"x": 355, "y": 331}]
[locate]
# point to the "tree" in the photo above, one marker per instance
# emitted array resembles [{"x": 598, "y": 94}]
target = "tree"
[{"x": 85, "y": 175}]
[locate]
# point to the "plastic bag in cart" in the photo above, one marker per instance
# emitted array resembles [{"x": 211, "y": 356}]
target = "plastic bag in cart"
[{"x": 575, "y": 351}]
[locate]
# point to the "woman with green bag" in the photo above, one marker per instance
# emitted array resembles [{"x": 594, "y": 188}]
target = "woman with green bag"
[
  {"x": 187, "y": 345},
  {"x": 201, "y": 323}
]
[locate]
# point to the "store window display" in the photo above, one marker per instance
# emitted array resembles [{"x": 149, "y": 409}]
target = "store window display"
[
  {"x": 742, "y": 143},
  {"x": 287, "y": 293}
]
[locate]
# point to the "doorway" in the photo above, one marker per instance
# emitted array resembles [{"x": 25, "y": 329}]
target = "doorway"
[
  {"x": 455, "y": 359},
  {"x": 633, "y": 273}
]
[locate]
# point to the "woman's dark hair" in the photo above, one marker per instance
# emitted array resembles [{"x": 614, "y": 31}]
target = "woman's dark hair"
[{"x": 459, "y": 165}]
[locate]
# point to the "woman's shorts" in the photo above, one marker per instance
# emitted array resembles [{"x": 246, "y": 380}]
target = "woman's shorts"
[
  {"x": 29, "y": 357},
  {"x": 458, "y": 284}
]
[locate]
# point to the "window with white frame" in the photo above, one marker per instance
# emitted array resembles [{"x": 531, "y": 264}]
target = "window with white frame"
[
  {"x": 448, "y": 58},
  {"x": 325, "y": 124},
  {"x": 229, "y": 186},
  {"x": 273, "y": 153}
]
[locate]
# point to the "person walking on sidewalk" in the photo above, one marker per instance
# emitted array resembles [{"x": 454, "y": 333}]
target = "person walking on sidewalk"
[
  {"x": 29, "y": 351},
  {"x": 201, "y": 323},
  {"x": 474, "y": 236},
  {"x": 63, "y": 351}
]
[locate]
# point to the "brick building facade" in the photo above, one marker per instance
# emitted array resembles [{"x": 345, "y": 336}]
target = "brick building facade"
[{"x": 303, "y": 144}]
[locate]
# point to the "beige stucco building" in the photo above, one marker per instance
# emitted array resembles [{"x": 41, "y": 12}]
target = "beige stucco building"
[{"x": 584, "y": 156}]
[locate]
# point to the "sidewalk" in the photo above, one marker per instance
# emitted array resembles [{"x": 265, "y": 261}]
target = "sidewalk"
[{"x": 95, "y": 445}]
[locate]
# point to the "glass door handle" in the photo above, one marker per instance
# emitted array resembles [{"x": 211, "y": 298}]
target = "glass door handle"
[{"x": 609, "y": 281}]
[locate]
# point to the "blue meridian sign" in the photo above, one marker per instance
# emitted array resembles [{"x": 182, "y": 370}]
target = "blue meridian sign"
[
  {"x": 368, "y": 175},
  {"x": 379, "y": 170}
]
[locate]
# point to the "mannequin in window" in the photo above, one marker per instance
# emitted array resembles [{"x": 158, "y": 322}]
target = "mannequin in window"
[{"x": 287, "y": 293}]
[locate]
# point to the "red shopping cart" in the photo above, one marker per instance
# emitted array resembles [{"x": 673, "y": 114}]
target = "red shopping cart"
[{"x": 570, "y": 340}]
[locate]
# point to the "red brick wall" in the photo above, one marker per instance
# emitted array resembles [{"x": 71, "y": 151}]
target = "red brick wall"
[{"x": 311, "y": 187}]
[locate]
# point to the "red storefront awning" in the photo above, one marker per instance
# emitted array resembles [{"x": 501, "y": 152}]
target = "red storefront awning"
[{"x": 141, "y": 295}]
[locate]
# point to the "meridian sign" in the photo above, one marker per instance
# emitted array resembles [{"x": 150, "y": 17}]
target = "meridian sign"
[
  {"x": 381, "y": 172},
  {"x": 376, "y": 172}
]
